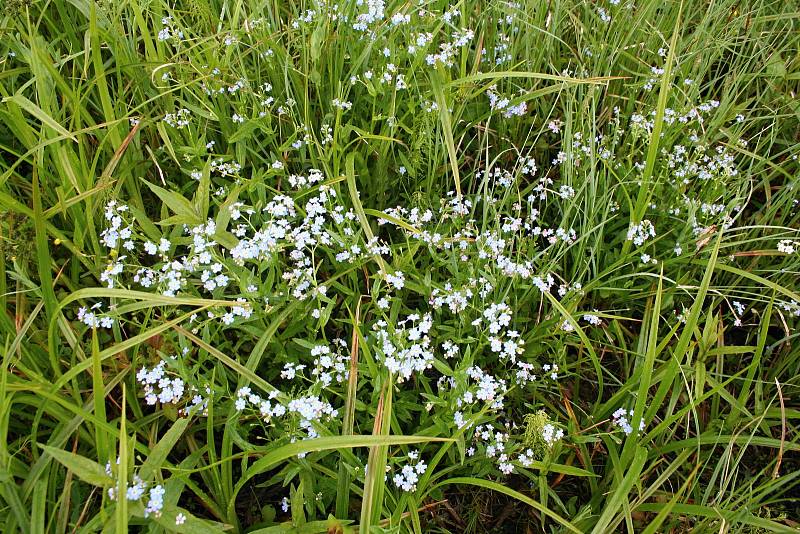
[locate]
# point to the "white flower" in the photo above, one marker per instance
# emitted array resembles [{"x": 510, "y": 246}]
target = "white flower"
[
  {"x": 93, "y": 319},
  {"x": 156, "y": 501},
  {"x": 639, "y": 233},
  {"x": 566, "y": 192},
  {"x": 409, "y": 475},
  {"x": 551, "y": 434},
  {"x": 135, "y": 491},
  {"x": 505, "y": 466},
  {"x": 592, "y": 319},
  {"x": 787, "y": 246},
  {"x": 396, "y": 280},
  {"x": 621, "y": 419}
]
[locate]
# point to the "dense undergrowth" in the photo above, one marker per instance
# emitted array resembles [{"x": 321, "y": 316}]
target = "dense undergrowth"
[{"x": 399, "y": 266}]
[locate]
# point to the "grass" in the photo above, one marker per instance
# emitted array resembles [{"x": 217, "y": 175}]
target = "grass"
[{"x": 350, "y": 238}]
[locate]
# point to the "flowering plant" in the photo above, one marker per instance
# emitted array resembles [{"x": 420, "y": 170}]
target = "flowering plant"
[{"x": 394, "y": 266}]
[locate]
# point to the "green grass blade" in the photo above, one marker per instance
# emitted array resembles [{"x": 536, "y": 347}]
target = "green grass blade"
[{"x": 494, "y": 486}]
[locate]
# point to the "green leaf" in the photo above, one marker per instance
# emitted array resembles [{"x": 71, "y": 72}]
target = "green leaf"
[
  {"x": 177, "y": 204},
  {"x": 274, "y": 457},
  {"x": 394, "y": 220},
  {"x": 159, "y": 453},
  {"x": 247, "y": 130},
  {"x": 37, "y": 112},
  {"x": 312, "y": 527},
  {"x": 620, "y": 494},
  {"x": 191, "y": 525},
  {"x": 102, "y": 441},
  {"x": 84, "y": 468},
  {"x": 494, "y": 486},
  {"x": 447, "y": 128}
]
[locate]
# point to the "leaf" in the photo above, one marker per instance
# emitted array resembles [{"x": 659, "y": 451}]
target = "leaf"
[
  {"x": 355, "y": 197},
  {"x": 192, "y": 524},
  {"x": 648, "y": 189},
  {"x": 447, "y": 129},
  {"x": 84, "y": 468},
  {"x": 494, "y": 486},
  {"x": 230, "y": 362},
  {"x": 394, "y": 220},
  {"x": 121, "y": 511},
  {"x": 43, "y": 260},
  {"x": 291, "y": 450},
  {"x": 754, "y": 277},
  {"x": 715, "y": 512},
  {"x": 656, "y": 522},
  {"x": 37, "y": 112},
  {"x": 102, "y": 441},
  {"x": 312, "y": 527},
  {"x": 562, "y": 468},
  {"x": 297, "y": 500},
  {"x": 499, "y": 75},
  {"x": 247, "y": 130},
  {"x": 176, "y": 203},
  {"x": 38, "y": 507},
  {"x": 620, "y": 494},
  {"x": 274, "y": 457},
  {"x": 159, "y": 453},
  {"x": 343, "y": 482},
  {"x": 374, "y": 484}
]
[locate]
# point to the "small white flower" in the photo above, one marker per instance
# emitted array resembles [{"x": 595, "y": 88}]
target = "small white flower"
[
  {"x": 787, "y": 246},
  {"x": 156, "y": 501},
  {"x": 566, "y": 192},
  {"x": 396, "y": 280}
]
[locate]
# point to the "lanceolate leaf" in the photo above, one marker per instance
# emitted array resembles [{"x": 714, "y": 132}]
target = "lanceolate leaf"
[{"x": 84, "y": 468}]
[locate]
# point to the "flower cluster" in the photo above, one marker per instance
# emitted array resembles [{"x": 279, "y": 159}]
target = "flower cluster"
[
  {"x": 155, "y": 502},
  {"x": 641, "y": 232},
  {"x": 409, "y": 474},
  {"x": 170, "y": 30},
  {"x": 787, "y": 246},
  {"x": 93, "y": 318},
  {"x": 505, "y": 343},
  {"x": 180, "y": 119},
  {"x": 137, "y": 490},
  {"x": 503, "y": 104},
  {"x": 478, "y": 386},
  {"x": 158, "y": 387},
  {"x": 495, "y": 444},
  {"x": 407, "y": 347},
  {"x": 621, "y": 418},
  {"x": 267, "y": 407}
]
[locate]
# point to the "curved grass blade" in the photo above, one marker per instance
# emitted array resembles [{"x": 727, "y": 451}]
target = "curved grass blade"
[{"x": 494, "y": 486}]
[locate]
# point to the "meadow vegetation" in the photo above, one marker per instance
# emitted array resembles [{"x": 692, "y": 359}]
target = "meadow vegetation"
[{"x": 399, "y": 266}]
